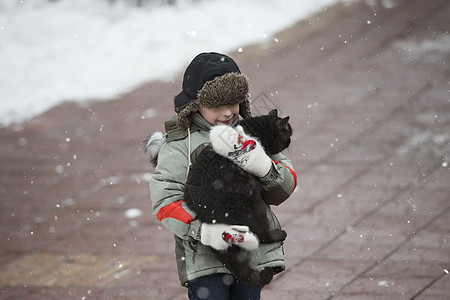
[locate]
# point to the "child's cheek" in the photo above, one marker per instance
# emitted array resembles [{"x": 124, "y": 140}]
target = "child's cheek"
[
  {"x": 236, "y": 110},
  {"x": 216, "y": 117}
]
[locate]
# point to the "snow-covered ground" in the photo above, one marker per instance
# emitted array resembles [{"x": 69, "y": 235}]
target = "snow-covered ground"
[{"x": 88, "y": 49}]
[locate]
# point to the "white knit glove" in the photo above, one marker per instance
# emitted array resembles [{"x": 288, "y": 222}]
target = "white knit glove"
[
  {"x": 222, "y": 236},
  {"x": 243, "y": 150}
]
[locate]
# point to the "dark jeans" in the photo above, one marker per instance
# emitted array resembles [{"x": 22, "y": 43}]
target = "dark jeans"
[{"x": 222, "y": 287}]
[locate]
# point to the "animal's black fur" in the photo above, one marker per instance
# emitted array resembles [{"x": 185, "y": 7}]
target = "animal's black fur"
[{"x": 219, "y": 191}]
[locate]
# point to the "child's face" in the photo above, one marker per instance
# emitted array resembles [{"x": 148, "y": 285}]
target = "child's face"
[{"x": 220, "y": 115}]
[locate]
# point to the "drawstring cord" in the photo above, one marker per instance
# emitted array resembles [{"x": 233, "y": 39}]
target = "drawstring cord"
[{"x": 189, "y": 152}]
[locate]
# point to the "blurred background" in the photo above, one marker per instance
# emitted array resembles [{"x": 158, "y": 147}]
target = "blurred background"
[{"x": 58, "y": 50}]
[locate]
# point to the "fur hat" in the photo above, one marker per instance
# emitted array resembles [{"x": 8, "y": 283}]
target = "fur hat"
[{"x": 211, "y": 80}]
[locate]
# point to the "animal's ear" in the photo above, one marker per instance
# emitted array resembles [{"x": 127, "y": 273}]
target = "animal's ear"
[
  {"x": 273, "y": 113},
  {"x": 284, "y": 121}
]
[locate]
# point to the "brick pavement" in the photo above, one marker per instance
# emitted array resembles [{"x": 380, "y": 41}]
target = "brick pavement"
[{"x": 368, "y": 91}]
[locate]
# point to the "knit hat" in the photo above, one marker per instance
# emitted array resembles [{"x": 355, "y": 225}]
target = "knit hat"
[{"x": 211, "y": 80}]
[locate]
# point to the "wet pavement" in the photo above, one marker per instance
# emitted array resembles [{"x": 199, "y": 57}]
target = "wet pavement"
[{"x": 367, "y": 88}]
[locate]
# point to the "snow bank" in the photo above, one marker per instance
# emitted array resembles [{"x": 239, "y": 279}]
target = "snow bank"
[{"x": 77, "y": 50}]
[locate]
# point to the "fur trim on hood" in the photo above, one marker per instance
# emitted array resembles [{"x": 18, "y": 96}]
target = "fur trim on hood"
[{"x": 151, "y": 146}]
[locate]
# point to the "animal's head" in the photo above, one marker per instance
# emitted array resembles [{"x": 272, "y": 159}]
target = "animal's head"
[{"x": 271, "y": 130}]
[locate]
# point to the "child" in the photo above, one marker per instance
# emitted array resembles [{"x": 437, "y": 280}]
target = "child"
[{"x": 213, "y": 92}]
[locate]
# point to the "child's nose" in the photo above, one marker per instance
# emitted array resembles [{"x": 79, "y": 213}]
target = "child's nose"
[{"x": 226, "y": 112}]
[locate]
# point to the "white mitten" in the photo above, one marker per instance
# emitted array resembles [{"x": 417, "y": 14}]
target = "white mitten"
[
  {"x": 222, "y": 236},
  {"x": 242, "y": 149}
]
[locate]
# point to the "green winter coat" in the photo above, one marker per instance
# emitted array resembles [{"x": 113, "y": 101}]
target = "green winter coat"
[{"x": 167, "y": 188}]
